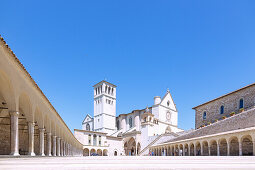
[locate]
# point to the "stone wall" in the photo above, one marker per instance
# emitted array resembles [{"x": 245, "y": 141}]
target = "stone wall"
[
  {"x": 230, "y": 103},
  {"x": 240, "y": 121}
]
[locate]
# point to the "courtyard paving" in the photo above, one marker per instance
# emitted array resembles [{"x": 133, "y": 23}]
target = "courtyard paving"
[{"x": 144, "y": 162}]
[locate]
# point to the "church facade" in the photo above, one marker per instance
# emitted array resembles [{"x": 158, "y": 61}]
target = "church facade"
[{"x": 126, "y": 134}]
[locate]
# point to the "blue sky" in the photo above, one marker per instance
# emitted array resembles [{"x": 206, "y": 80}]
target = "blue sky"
[{"x": 198, "y": 49}]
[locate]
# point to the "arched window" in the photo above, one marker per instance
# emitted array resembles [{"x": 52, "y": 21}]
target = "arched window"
[
  {"x": 115, "y": 153},
  {"x": 105, "y": 89},
  {"x": 118, "y": 124},
  {"x": 87, "y": 127},
  {"x": 240, "y": 103},
  {"x": 130, "y": 122},
  {"x": 221, "y": 109},
  {"x": 204, "y": 115}
]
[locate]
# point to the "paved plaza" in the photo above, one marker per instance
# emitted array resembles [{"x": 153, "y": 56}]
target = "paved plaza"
[{"x": 143, "y": 162}]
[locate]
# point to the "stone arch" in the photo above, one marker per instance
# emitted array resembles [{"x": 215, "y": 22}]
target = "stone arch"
[
  {"x": 47, "y": 123},
  {"x": 186, "y": 148},
  {"x": 223, "y": 147},
  {"x": 205, "y": 148},
  {"x": 181, "y": 150},
  {"x": 105, "y": 152},
  {"x": 247, "y": 145},
  {"x": 234, "y": 146},
  {"x": 7, "y": 92},
  {"x": 168, "y": 129},
  {"x": 92, "y": 151},
  {"x": 86, "y": 152},
  {"x": 130, "y": 147},
  {"x": 198, "y": 149},
  {"x": 192, "y": 149},
  {"x": 25, "y": 116},
  {"x": 213, "y": 148},
  {"x": 99, "y": 152}
]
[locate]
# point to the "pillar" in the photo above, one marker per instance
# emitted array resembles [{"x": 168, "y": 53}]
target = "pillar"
[
  {"x": 189, "y": 150},
  {"x": 14, "y": 133},
  {"x": 62, "y": 147},
  {"x": 218, "y": 148},
  {"x": 31, "y": 130},
  {"x": 54, "y": 148},
  {"x": 202, "y": 149},
  {"x": 253, "y": 142},
  {"x": 195, "y": 150},
  {"x": 240, "y": 148},
  {"x": 58, "y": 146},
  {"x": 41, "y": 141},
  {"x": 48, "y": 144},
  {"x": 209, "y": 150},
  {"x": 228, "y": 148}
]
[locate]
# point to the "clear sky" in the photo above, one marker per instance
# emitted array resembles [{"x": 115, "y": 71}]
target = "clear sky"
[{"x": 198, "y": 49}]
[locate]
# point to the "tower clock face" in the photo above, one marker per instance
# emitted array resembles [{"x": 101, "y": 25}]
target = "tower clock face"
[{"x": 168, "y": 116}]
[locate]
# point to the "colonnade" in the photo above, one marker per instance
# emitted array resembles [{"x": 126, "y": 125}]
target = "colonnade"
[
  {"x": 55, "y": 146},
  {"x": 91, "y": 151},
  {"x": 240, "y": 143},
  {"x": 29, "y": 124}
]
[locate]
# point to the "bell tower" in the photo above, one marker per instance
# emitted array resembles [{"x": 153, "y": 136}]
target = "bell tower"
[{"x": 104, "y": 107}]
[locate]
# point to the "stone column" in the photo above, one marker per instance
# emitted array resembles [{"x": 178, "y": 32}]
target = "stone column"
[
  {"x": 179, "y": 153},
  {"x": 195, "y": 150},
  {"x": 62, "y": 147},
  {"x": 209, "y": 150},
  {"x": 253, "y": 142},
  {"x": 240, "y": 148},
  {"x": 42, "y": 141},
  {"x": 49, "y": 144},
  {"x": 218, "y": 149},
  {"x": 228, "y": 148},
  {"x": 31, "y": 132},
  {"x": 14, "y": 133},
  {"x": 58, "y": 146},
  {"x": 202, "y": 149},
  {"x": 174, "y": 150},
  {"x": 189, "y": 150},
  {"x": 54, "y": 148}
]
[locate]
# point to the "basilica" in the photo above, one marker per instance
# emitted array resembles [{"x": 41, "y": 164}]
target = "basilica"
[{"x": 125, "y": 134}]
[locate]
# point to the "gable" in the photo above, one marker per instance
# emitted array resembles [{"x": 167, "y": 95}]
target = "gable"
[
  {"x": 168, "y": 99},
  {"x": 88, "y": 118}
]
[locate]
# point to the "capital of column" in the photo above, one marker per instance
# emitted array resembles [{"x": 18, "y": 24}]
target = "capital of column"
[
  {"x": 54, "y": 137},
  {"x": 48, "y": 134},
  {"x": 41, "y": 129},
  {"x": 31, "y": 124},
  {"x": 14, "y": 113}
]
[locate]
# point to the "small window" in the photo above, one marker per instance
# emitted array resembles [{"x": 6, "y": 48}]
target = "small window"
[
  {"x": 204, "y": 115},
  {"x": 168, "y": 103},
  {"x": 87, "y": 127},
  {"x": 130, "y": 122},
  {"x": 241, "y": 104},
  {"x": 222, "y": 110}
]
